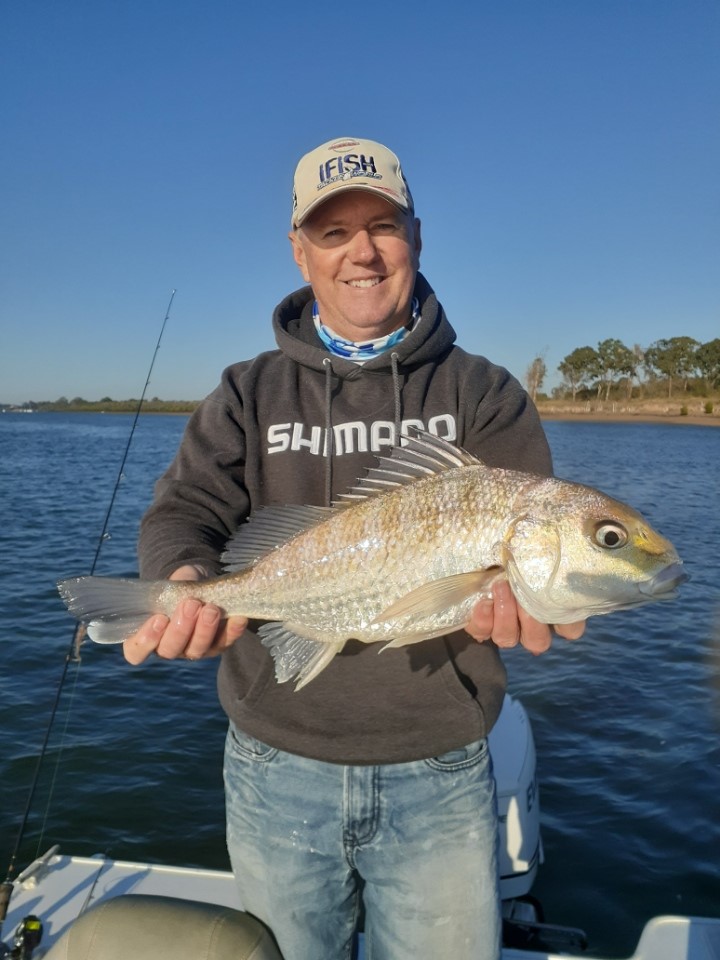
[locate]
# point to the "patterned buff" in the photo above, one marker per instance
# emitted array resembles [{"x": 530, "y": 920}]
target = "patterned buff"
[{"x": 361, "y": 352}]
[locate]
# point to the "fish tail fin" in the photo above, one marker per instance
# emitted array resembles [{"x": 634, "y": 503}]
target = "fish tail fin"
[{"x": 112, "y": 608}]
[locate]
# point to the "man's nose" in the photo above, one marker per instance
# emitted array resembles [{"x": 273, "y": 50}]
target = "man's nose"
[{"x": 362, "y": 247}]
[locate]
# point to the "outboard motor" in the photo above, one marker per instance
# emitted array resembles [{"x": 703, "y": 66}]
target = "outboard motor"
[{"x": 513, "y": 754}]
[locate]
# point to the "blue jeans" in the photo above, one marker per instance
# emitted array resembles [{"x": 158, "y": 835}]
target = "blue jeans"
[{"x": 416, "y": 842}]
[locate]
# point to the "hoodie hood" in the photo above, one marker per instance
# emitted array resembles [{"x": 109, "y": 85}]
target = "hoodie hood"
[{"x": 295, "y": 335}]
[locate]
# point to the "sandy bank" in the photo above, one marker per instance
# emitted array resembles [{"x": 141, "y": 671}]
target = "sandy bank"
[{"x": 553, "y": 412}]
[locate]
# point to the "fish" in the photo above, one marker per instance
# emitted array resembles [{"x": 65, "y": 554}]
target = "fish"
[{"x": 404, "y": 555}]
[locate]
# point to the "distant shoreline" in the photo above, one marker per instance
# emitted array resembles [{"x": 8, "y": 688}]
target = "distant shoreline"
[
  {"x": 629, "y": 416},
  {"x": 706, "y": 421},
  {"x": 548, "y": 411}
]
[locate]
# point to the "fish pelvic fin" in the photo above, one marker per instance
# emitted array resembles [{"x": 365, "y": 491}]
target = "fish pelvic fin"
[
  {"x": 437, "y": 596},
  {"x": 112, "y": 608},
  {"x": 296, "y": 656}
]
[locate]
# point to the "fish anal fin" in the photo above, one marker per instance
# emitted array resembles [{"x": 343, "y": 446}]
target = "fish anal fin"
[
  {"x": 296, "y": 655},
  {"x": 437, "y": 596}
]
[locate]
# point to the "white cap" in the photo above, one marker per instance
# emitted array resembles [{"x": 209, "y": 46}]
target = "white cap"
[{"x": 347, "y": 163}]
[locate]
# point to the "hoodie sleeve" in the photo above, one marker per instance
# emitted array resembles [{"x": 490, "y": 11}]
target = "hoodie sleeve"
[
  {"x": 503, "y": 426},
  {"x": 201, "y": 499}
]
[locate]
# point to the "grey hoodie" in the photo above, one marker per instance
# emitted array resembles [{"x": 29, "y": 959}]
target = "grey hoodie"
[{"x": 259, "y": 439}]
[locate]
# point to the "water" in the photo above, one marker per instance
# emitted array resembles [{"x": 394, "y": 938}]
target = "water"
[{"x": 626, "y": 720}]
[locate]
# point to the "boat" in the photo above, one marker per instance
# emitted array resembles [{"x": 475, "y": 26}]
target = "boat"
[{"x": 65, "y": 907}]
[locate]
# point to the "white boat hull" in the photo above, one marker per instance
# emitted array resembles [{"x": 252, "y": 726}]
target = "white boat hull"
[{"x": 58, "y": 889}]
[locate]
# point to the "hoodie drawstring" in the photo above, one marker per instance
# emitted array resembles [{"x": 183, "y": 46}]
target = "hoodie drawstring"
[
  {"x": 397, "y": 395},
  {"x": 329, "y": 438},
  {"x": 329, "y": 434}
]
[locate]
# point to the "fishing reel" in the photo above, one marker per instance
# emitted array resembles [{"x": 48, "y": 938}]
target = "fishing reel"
[{"x": 27, "y": 936}]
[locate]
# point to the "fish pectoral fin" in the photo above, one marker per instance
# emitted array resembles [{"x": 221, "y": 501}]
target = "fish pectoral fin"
[
  {"x": 295, "y": 655},
  {"x": 435, "y": 597}
]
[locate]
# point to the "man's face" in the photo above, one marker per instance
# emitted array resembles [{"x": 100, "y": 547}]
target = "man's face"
[{"x": 360, "y": 254}]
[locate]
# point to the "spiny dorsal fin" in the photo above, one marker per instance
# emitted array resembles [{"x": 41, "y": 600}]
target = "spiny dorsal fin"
[
  {"x": 419, "y": 454},
  {"x": 266, "y": 529}
]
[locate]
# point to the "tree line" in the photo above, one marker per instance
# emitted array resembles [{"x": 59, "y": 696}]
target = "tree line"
[
  {"x": 668, "y": 364},
  {"x": 611, "y": 366},
  {"x": 106, "y": 405}
]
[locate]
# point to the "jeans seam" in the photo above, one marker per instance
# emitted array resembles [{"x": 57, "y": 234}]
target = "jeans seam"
[{"x": 352, "y": 839}]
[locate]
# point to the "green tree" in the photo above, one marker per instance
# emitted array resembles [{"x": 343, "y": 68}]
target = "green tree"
[
  {"x": 673, "y": 358},
  {"x": 707, "y": 361},
  {"x": 615, "y": 360},
  {"x": 579, "y": 367}
]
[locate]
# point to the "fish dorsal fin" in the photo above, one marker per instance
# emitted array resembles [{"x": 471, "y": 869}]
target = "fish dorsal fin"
[
  {"x": 265, "y": 530},
  {"x": 419, "y": 454}
]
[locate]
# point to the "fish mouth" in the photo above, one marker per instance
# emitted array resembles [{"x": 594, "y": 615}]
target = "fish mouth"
[{"x": 663, "y": 585}]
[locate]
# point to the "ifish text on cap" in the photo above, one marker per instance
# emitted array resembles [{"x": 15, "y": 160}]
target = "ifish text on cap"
[{"x": 347, "y": 163}]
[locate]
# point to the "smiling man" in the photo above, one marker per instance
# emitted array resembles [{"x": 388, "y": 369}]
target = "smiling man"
[
  {"x": 361, "y": 255},
  {"x": 373, "y": 783}
]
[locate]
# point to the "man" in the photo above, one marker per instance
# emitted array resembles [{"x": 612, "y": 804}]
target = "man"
[{"x": 374, "y": 780}]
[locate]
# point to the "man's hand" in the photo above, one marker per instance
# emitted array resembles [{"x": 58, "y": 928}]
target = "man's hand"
[
  {"x": 195, "y": 630},
  {"x": 504, "y": 621}
]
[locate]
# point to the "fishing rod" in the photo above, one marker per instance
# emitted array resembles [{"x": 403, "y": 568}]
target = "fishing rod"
[{"x": 73, "y": 653}]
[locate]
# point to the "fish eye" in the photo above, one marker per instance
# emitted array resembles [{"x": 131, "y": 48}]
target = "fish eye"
[{"x": 611, "y": 535}]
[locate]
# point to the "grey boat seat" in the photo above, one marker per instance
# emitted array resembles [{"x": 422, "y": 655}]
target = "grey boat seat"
[{"x": 140, "y": 927}]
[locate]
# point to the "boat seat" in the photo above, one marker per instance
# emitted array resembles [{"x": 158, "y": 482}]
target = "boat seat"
[{"x": 143, "y": 927}]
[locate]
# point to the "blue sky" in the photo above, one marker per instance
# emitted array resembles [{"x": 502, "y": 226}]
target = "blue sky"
[{"x": 563, "y": 155}]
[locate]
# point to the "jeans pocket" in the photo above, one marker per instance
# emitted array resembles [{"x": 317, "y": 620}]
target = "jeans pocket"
[
  {"x": 461, "y": 757},
  {"x": 244, "y": 747}
]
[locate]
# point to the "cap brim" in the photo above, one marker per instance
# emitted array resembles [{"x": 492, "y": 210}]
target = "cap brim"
[{"x": 333, "y": 191}]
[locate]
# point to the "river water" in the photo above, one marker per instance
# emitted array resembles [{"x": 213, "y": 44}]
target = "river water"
[{"x": 626, "y": 720}]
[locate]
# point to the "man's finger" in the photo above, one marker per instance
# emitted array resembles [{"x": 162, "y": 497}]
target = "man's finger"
[
  {"x": 480, "y": 625},
  {"x": 179, "y": 630},
  {"x": 230, "y": 631},
  {"x": 145, "y": 641},
  {"x": 506, "y": 625},
  {"x": 534, "y": 636},
  {"x": 570, "y": 631},
  {"x": 205, "y": 633}
]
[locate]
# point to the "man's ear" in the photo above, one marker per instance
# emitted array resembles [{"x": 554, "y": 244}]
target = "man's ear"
[
  {"x": 417, "y": 239},
  {"x": 299, "y": 254}
]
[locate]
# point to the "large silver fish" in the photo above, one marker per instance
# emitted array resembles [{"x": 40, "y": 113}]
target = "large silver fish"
[{"x": 404, "y": 557}]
